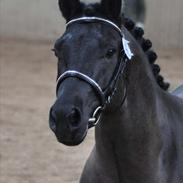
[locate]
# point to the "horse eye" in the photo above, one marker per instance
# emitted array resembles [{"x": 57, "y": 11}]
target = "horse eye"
[{"x": 110, "y": 53}]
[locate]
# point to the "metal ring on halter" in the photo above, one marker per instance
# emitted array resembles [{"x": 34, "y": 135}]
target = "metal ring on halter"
[{"x": 94, "y": 120}]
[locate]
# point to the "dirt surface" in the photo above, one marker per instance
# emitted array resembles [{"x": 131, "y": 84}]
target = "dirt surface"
[{"x": 29, "y": 152}]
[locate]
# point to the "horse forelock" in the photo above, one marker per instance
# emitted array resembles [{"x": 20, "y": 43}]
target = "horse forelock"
[
  {"x": 90, "y": 1},
  {"x": 86, "y": 2},
  {"x": 115, "y": 9}
]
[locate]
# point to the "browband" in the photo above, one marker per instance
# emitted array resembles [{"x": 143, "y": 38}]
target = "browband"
[{"x": 91, "y": 19}]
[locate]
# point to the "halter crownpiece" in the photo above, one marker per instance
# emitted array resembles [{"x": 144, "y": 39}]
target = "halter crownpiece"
[{"x": 106, "y": 95}]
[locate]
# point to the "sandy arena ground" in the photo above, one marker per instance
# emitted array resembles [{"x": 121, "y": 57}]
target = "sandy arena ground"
[{"x": 29, "y": 152}]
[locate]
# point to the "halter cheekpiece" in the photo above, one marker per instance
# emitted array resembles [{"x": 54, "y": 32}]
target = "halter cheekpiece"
[{"x": 106, "y": 95}]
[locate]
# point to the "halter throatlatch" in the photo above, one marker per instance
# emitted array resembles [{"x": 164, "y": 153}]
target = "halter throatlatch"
[{"x": 105, "y": 96}]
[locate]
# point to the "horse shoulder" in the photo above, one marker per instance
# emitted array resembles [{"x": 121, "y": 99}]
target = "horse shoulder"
[
  {"x": 173, "y": 112},
  {"x": 96, "y": 172}
]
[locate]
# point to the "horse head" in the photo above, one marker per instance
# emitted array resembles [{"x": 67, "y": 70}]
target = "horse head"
[{"x": 89, "y": 66}]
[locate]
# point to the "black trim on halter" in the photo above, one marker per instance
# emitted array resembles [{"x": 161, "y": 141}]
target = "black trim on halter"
[
  {"x": 104, "y": 95},
  {"x": 112, "y": 87}
]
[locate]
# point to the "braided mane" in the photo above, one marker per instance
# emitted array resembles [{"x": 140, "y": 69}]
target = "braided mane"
[{"x": 146, "y": 45}]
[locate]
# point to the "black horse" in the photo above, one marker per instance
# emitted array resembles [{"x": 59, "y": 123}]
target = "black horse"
[{"x": 107, "y": 75}]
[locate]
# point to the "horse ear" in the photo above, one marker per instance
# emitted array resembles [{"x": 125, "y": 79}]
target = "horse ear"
[
  {"x": 112, "y": 8},
  {"x": 69, "y": 8}
]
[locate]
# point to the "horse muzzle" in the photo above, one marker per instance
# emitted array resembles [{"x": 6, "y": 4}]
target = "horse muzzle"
[{"x": 67, "y": 124}]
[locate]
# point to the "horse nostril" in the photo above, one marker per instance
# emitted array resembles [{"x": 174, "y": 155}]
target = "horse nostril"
[{"x": 74, "y": 117}]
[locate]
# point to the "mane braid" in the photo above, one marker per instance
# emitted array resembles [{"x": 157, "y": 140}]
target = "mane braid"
[{"x": 146, "y": 45}]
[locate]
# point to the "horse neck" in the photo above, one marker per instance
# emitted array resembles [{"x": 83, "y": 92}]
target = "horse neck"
[{"x": 131, "y": 135}]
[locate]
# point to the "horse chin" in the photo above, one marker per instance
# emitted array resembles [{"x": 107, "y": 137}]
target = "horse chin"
[{"x": 77, "y": 140}]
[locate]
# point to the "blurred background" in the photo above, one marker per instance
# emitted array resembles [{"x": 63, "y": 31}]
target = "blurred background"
[
  {"x": 41, "y": 20},
  {"x": 29, "y": 152}
]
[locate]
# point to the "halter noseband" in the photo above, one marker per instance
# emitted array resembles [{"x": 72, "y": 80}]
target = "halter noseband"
[{"x": 106, "y": 95}]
